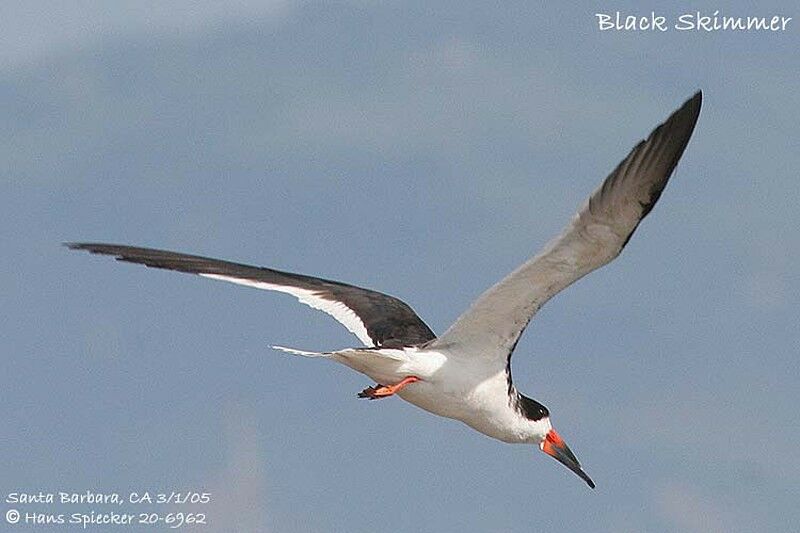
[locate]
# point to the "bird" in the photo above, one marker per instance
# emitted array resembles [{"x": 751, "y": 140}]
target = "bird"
[{"x": 465, "y": 374}]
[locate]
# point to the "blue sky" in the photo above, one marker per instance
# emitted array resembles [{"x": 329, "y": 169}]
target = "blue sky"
[{"x": 424, "y": 151}]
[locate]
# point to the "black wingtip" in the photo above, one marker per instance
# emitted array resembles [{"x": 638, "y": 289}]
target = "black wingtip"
[
  {"x": 85, "y": 246},
  {"x": 690, "y": 108},
  {"x": 96, "y": 248},
  {"x": 694, "y": 103}
]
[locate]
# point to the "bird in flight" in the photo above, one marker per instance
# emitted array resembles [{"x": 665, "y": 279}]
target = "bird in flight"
[{"x": 465, "y": 374}]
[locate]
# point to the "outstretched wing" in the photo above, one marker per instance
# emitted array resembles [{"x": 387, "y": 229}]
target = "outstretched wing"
[
  {"x": 375, "y": 318},
  {"x": 596, "y": 235}
]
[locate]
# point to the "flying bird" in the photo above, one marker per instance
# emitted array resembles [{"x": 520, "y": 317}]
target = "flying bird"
[{"x": 465, "y": 374}]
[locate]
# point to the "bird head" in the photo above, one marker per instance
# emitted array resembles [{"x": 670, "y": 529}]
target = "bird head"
[{"x": 550, "y": 442}]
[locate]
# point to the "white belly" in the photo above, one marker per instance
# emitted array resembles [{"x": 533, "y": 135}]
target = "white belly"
[{"x": 449, "y": 387}]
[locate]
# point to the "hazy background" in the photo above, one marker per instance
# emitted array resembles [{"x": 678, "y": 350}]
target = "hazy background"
[{"x": 423, "y": 150}]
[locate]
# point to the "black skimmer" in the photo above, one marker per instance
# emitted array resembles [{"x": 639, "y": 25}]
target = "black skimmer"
[{"x": 466, "y": 373}]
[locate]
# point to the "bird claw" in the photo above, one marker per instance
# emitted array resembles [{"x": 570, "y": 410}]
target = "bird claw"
[
  {"x": 367, "y": 393},
  {"x": 375, "y": 393}
]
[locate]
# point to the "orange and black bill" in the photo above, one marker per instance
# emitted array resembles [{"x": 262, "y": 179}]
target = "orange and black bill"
[{"x": 554, "y": 446}]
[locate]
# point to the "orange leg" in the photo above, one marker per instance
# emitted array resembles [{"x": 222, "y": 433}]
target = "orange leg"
[{"x": 384, "y": 391}]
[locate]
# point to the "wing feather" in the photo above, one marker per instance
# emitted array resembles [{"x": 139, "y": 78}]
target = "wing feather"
[
  {"x": 377, "y": 319},
  {"x": 596, "y": 235}
]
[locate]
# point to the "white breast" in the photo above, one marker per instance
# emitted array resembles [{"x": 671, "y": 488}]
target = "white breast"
[{"x": 484, "y": 406}]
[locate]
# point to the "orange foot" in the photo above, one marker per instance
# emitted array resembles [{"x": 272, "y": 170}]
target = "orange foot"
[{"x": 384, "y": 391}]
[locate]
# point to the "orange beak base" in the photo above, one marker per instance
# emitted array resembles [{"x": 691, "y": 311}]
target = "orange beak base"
[{"x": 554, "y": 446}]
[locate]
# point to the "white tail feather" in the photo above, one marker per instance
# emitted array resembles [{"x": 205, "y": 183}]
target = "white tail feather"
[{"x": 304, "y": 353}]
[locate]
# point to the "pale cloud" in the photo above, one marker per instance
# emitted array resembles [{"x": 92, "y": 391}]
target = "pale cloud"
[
  {"x": 722, "y": 425},
  {"x": 32, "y": 31},
  {"x": 239, "y": 491},
  {"x": 689, "y": 511}
]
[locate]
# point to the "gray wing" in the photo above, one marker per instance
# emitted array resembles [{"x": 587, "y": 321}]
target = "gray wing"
[
  {"x": 597, "y": 234},
  {"x": 375, "y": 318}
]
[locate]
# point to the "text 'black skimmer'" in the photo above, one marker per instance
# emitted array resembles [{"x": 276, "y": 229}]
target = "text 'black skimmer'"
[{"x": 466, "y": 373}]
